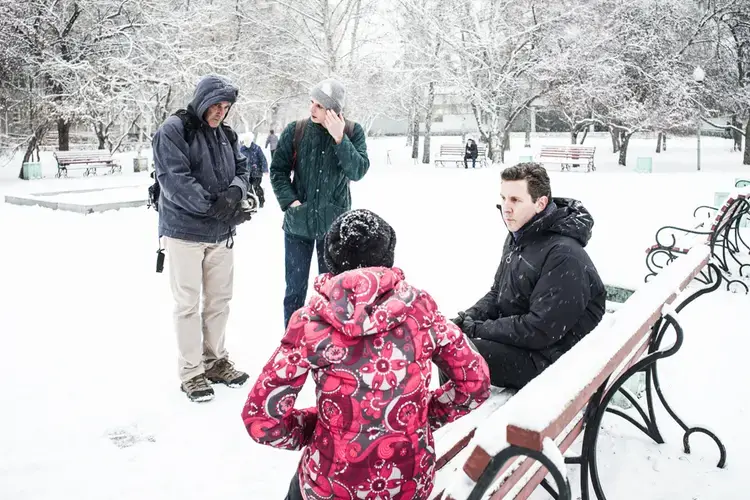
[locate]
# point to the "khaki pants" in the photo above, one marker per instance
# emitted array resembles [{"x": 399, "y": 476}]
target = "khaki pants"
[{"x": 200, "y": 335}]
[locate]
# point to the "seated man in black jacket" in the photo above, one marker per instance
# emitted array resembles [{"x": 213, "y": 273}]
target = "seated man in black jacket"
[{"x": 547, "y": 294}]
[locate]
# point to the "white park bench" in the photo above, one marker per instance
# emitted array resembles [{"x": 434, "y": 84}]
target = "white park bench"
[
  {"x": 88, "y": 161},
  {"x": 569, "y": 156},
  {"x": 454, "y": 153}
]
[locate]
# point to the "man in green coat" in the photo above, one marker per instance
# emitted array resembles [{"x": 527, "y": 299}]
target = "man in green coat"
[{"x": 312, "y": 183}]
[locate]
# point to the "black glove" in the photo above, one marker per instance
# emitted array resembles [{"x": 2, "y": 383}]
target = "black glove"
[
  {"x": 469, "y": 327},
  {"x": 458, "y": 321},
  {"x": 243, "y": 213},
  {"x": 226, "y": 203}
]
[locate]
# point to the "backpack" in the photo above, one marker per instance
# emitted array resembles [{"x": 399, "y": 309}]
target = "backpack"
[
  {"x": 190, "y": 125},
  {"x": 299, "y": 132}
]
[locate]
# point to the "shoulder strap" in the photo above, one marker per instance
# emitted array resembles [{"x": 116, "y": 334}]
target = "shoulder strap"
[
  {"x": 230, "y": 133},
  {"x": 349, "y": 128},
  {"x": 299, "y": 131},
  {"x": 190, "y": 124}
]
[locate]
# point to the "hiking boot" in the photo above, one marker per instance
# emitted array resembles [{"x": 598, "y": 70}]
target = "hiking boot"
[
  {"x": 223, "y": 372},
  {"x": 198, "y": 389}
]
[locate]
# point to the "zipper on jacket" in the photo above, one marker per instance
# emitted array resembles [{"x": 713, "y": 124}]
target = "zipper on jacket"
[
  {"x": 509, "y": 258},
  {"x": 526, "y": 261}
]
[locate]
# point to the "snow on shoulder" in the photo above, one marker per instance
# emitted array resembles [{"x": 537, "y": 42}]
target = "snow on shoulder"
[{"x": 544, "y": 399}]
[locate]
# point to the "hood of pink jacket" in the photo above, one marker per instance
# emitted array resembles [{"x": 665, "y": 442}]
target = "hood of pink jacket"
[{"x": 364, "y": 301}]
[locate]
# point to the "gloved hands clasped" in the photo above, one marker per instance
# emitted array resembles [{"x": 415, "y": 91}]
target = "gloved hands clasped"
[
  {"x": 466, "y": 324},
  {"x": 226, "y": 203},
  {"x": 230, "y": 208}
]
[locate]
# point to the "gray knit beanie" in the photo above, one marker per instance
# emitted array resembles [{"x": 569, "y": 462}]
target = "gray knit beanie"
[{"x": 331, "y": 94}]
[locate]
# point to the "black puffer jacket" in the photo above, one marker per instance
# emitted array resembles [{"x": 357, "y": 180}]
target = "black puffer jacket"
[{"x": 547, "y": 294}]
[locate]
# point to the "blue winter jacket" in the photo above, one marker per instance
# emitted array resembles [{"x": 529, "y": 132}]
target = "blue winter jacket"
[
  {"x": 191, "y": 176},
  {"x": 256, "y": 162}
]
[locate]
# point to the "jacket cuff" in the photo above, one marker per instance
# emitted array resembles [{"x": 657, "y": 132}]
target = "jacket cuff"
[{"x": 240, "y": 184}]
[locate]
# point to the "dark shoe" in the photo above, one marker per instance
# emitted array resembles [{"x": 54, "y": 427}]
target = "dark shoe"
[
  {"x": 198, "y": 389},
  {"x": 223, "y": 372}
]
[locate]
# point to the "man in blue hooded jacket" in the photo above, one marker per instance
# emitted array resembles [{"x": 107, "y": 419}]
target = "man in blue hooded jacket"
[{"x": 203, "y": 180}]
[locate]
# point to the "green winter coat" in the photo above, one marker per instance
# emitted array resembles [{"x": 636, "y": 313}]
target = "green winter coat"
[{"x": 321, "y": 177}]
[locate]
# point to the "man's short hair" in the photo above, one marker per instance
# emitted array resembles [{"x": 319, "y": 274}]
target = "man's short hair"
[{"x": 535, "y": 176}]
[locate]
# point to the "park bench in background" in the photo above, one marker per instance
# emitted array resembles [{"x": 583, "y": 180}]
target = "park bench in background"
[
  {"x": 569, "y": 156},
  {"x": 454, "y": 153},
  {"x": 88, "y": 161}
]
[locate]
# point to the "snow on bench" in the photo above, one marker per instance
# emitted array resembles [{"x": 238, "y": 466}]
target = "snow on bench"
[
  {"x": 454, "y": 153},
  {"x": 88, "y": 161},
  {"x": 569, "y": 156},
  {"x": 721, "y": 233},
  {"x": 506, "y": 452}
]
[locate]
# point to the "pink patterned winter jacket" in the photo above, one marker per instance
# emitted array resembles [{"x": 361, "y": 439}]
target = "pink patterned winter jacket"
[{"x": 369, "y": 340}]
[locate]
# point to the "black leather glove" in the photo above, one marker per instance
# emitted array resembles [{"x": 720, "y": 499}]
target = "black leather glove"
[{"x": 226, "y": 203}]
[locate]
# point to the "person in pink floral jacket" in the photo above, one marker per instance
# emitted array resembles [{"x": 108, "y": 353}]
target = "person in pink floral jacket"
[{"x": 369, "y": 340}]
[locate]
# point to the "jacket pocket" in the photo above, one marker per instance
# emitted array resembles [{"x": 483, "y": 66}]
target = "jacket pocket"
[{"x": 295, "y": 221}]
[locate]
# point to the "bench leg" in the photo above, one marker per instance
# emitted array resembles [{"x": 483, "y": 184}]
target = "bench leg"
[{"x": 647, "y": 415}]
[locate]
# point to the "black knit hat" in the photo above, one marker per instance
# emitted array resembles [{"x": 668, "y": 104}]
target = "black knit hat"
[{"x": 359, "y": 238}]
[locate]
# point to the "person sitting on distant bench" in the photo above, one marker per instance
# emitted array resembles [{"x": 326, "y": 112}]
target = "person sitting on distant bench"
[{"x": 471, "y": 153}]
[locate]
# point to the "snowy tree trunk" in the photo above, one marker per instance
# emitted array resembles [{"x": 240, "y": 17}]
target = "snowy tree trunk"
[
  {"x": 100, "y": 135},
  {"x": 490, "y": 148},
  {"x": 624, "y": 149},
  {"x": 574, "y": 135},
  {"x": 34, "y": 142},
  {"x": 746, "y": 157},
  {"x": 585, "y": 134},
  {"x": 415, "y": 139},
  {"x": 664, "y": 141},
  {"x": 409, "y": 128},
  {"x": 428, "y": 123},
  {"x": 504, "y": 145},
  {"x": 615, "y": 139},
  {"x": 529, "y": 128},
  {"x": 658, "y": 142},
  {"x": 63, "y": 134}
]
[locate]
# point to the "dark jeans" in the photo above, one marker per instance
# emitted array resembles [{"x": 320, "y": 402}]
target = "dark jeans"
[
  {"x": 298, "y": 255},
  {"x": 273, "y": 151},
  {"x": 473, "y": 162},
  {"x": 510, "y": 367},
  {"x": 295, "y": 492}
]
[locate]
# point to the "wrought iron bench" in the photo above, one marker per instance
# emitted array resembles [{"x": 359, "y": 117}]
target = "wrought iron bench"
[
  {"x": 454, "y": 153},
  {"x": 569, "y": 156},
  {"x": 721, "y": 228},
  {"x": 88, "y": 161},
  {"x": 511, "y": 449}
]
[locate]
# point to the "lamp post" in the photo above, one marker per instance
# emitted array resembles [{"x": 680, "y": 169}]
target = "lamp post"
[{"x": 699, "y": 75}]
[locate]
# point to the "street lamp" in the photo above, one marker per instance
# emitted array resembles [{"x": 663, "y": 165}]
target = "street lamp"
[{"x": 699, "y": 75}]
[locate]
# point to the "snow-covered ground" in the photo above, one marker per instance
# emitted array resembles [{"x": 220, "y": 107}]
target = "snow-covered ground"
[{"x": 85, "y": 324}]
